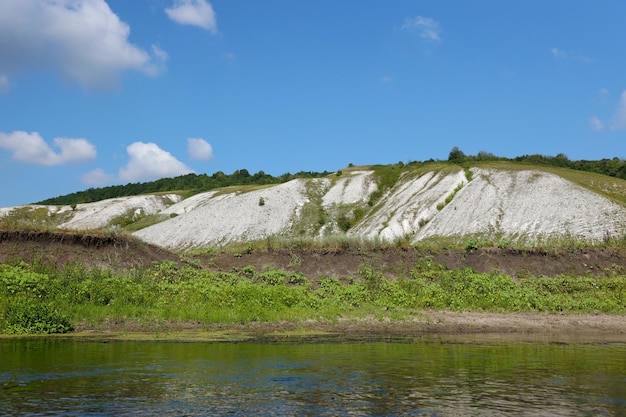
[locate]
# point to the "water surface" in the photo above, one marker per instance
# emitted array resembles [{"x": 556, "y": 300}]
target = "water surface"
[{"x": 423, "y": 377}]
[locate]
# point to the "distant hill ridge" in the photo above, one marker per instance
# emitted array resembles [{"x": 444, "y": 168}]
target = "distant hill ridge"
[
  {"x": 195, "y": 183},
  {"x": 479, "y": 197},
  {"x": 190, "y": 183}
]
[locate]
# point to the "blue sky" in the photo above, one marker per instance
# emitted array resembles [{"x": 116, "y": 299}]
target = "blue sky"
[{"x": 96, "y": 93}]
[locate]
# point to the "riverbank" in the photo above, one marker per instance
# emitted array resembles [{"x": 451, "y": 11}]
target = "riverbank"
[
  {"x": 255, "y": 293},
  {"x": 447, "y": 325}
]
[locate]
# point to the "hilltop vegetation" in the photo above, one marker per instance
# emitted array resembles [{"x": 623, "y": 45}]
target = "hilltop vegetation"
[
  {"x": 615, "y": 167},
  {"x": 192, "y": 184},
  {"x": 189, "y": 183},
  {"x": 532, "y": 199}
]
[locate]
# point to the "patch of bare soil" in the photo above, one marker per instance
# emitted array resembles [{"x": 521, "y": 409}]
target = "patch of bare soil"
[
  {"x": 58, "y": 248},
  {"x": 119, "y": 252},
  {"x": 315, "y": 263},
  {"x": 465, "y": 326}
]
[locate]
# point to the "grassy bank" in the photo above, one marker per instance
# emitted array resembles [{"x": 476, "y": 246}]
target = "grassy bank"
[{"x": 40, "y": 298}]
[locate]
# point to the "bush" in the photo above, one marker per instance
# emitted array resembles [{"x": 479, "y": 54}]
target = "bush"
[
  {"x": 27, "y": 318},
  {"x": 18, "y": 281},
  {"x": 344, "y": 223}
]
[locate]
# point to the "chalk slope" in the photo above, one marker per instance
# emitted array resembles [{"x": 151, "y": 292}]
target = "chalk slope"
[{"x": 517, "y": 204}]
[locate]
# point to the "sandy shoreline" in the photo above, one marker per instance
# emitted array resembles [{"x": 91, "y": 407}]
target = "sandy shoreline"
[{"x": 448, "y": 325}]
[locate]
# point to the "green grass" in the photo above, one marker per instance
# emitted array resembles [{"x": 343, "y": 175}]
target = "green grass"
[
  {"x": 241, "y": 189},
  {"x": 342, "y": 241},
  {"x": 44, "y": 299},
  {"x": 338, "y": 241},
  {"x": 554, "y": 245},
  {"x": 33, "y": 218}
]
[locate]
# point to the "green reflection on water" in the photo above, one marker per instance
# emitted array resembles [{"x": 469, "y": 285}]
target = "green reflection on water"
[{"x": 424, "y": 377}]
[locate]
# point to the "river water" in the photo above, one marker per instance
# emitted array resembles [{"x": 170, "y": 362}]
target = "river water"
[{"x": 413, "y": 377}]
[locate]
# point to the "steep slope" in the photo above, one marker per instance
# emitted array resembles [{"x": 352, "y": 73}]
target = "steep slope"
[
  {"x": 425, "y": 201},
  {"x": 293, "y": 208},
  {"x": 100, "y": 214},
  {"x": 88, "y": 216},
  {"x": 526, "y": 204},
  {"x": 214, "y": 218},
  {"x": 411, "y": 204}
]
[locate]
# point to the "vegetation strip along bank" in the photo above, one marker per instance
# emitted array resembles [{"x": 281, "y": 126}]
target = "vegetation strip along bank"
[{"x": 46, "y": 298}]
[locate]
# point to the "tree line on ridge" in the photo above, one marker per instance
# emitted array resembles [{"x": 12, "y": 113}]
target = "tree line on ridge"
[{"x": 195, "y": 183}]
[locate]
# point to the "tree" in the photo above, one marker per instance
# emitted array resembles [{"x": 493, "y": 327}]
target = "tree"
[
  {"x": 485, "y": 156},
  {"x": 456, "y": 155}
]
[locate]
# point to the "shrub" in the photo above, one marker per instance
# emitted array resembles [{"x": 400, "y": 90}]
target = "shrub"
[
  {"x": 344, "y": 223},
  {"x": 17, "y": 281},
  {"x": 274, "y": 277},
  {"x": 26, "y": 318},
  {"x": 472, "y": 244}
]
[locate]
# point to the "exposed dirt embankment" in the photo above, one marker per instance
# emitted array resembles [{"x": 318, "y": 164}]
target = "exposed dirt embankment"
[
  {"x": 85, "y": 240},
  {"x": 89, "y": 249},
  {"x": 121, "y": 252},
  {"x": 394, "y": 262}
]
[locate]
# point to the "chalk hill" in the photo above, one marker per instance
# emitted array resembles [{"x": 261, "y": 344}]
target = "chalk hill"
[{"x": 428, "y": 201}]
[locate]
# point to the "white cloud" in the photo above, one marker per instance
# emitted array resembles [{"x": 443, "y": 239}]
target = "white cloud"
[
  {"x": 199, "y": 149},
  {"x": 160, "y": 58},
  {"x": 81, "y": 40},
  {"x": 596, "y": 124},
  {"x": 194, "y": 13},
  {"x": 229, "y": 57},
  {"x": 617, "y": 122},
  {"x": 427, "y": 28},
  {"x": 619, "y": 118},
  {"x": 149, "y": 162},
  {"x": 32, "y": 149},
  {"x": 557, "y": 53},
  {"x": 97, "y": 177},
  {"x": 561, "y": 54},
  {"x": 4, "y": 84}
]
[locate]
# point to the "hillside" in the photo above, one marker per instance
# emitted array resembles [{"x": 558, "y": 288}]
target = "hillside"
[
  {"x": 374, "y": 247},
  {"x": 500, "y": 201},
  {"x": 123, "y": 253}
]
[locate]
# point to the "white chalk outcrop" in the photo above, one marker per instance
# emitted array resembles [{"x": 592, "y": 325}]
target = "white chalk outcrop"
[
  {"x": 526, "y": 204},
  {"x": 516, "y": 204},
  {"x": 409, "y": 205},
  {"x": 99, "y": 214},
  {"x": 217, "y": 219},
  {"x": 355, "y": 187}
]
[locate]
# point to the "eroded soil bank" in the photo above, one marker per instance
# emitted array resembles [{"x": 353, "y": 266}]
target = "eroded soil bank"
[
  {"x": 122, "y": 253},
  {"x": 446, "y": 324},
  {"x": 119, "y": 252}
]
